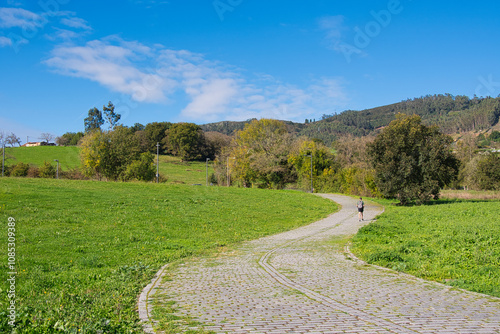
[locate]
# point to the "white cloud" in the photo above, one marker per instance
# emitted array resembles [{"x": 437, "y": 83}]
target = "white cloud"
[
  {"x": 76, "y": 22},
  {"x": 4, "y": 41},
  {"x": 336, "y": 39},
  {"x": 214, "y": 91},
  {"x": 333, "y": 26},
  {"x": 18, "y": 17},
  {"x": 210, "y": 99},
  {"x": 109, "y": 65}
]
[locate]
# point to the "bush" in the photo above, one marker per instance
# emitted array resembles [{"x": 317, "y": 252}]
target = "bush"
[
  {"x": 495, "y": 136},
  {"x": 7, "y": 169},
  {"x": 141, "y": 170},
  {"x": 47, "y": 170},
  {"x": 33, "y": 171},
  {"x": 488, "y": 172},
  {"x": 72, "y": 174},
  {"x": 19, "y": 170}
]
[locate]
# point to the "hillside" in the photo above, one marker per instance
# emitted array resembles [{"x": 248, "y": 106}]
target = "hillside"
[
  {"x": 453, "y": 114},
  {"x": 229, "y": 127},
  {"x": 68, "y": 156}
]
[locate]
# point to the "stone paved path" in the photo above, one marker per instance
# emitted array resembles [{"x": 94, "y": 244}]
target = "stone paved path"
[{"x": 300, "y": 282}]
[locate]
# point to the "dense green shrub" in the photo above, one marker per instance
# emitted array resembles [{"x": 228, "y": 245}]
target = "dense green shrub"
[
  {"x": 20, "y": 169},
  {"x": 47, "y": 170},
  {"x": 142, "y": 169}
]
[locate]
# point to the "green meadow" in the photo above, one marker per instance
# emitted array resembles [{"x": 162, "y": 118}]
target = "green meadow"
[
  {"x": 86, "y": 249},
  {"x": 172, "y": 168},
  {"x": 455, "y": 242},
  {"x": 68, "y": 156}
]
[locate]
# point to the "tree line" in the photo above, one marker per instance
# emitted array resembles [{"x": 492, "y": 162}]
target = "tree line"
[{"x": 407, "y": 159}]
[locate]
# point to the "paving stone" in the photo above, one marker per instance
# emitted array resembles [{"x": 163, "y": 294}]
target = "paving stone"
[{"x": 295, "y": 282}]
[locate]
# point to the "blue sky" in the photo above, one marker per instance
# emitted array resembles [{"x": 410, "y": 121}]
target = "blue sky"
[{"x": 205, "y": 61}]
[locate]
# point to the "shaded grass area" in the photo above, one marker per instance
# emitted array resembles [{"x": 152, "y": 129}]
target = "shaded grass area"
[
  {"x": 456, "y": 242},
  {"x": 85, "y": 250},
  {"x": 68, "y": 156}
]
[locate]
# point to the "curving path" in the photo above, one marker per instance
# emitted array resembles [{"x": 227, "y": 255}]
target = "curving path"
[{"x": 300, "y": 282}]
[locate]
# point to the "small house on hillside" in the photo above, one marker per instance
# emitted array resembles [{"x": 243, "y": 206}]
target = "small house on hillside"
[{"x": 38, "y": 143}]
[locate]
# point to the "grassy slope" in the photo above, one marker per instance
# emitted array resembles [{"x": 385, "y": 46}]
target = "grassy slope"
[
  {"x": 68, "y": 156},
  {"x": 456, "y": 242},
  {"x": 177, "y": 172},
  {"x": 86, "y": 249},
  {"x": 172, "y": 168}
]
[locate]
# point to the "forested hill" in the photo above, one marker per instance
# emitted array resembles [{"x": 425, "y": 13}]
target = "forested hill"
[
  {"x": 451, "y": 113},
  {"x": 229, "y": 127}
]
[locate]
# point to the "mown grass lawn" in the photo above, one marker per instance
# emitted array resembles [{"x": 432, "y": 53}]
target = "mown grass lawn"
[
  {"x": 456, "y": 242},
  {"x": 86, "y": 249}
]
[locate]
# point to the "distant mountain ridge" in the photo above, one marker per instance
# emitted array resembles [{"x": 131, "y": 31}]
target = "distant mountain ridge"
[{"x": 453, "y": 114}]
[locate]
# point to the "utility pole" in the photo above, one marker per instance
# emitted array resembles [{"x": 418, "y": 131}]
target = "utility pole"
[
  {"x": 207, "y": 169},
  {"x": 57, "y": 170},
  {"x": 3, "y": 159},
  {"x": 157, "y": 162}
]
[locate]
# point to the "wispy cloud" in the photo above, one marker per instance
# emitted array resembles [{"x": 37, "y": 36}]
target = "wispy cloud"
[
  {"x": 333, "y": 27},
  {"x": 76, "y": 22},
  {"x": 150, "y": 3},
  {"x": 335, "y": 32},
  {"x": 21, "y": 18},
  {"x": 213, "y": 90},
  {"x": 4, "y": 41},
  {"x": 23, "y": 25}
]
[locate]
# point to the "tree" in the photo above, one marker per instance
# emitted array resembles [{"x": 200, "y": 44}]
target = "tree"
[
  {"x": 300, "y": 158},
  {"x": 2, "y": 138},
  {"x": 412, "y": 161},
  {"x": 495, "y": 136},
  {"x": 47, "y": 137},
  {"x": 69, "y": 139},
  {"x": 488, "y": 172},
  {"x": 137, "y": 127},
  {"x": 94, "y": 120},
  {"x": 155, "y": 133},
  {"x": 12, "y": 139},
  {"x": 111, "y": 117},
  {"x": 260, "y": 154},
  {"x": 186, "y": 140},
  {"x": 107, "y": 154},
  {"x": 92, "y": 152},
  {"x": 216, "y": 142},
  {"x": 351, "y": 150}
]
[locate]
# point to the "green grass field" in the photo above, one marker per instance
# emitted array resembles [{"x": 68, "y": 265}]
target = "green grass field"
[
  {"x": 456, "y": 242},
  {"x": 86, "y": 249},
  {"x": 187, "y": 172},
  {"x": 175, "y": 171},
  {"x": 68, "y": 156}
]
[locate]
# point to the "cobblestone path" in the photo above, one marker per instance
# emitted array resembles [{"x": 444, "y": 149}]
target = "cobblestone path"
[{"x": 301, "y": 282}]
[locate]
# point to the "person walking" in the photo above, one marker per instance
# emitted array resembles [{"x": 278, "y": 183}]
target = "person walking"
[{"x": 361, "y": 208}]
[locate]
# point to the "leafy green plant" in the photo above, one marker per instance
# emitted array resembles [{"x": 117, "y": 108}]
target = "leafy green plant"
[
  {"x": 47, "y": 170},
  {"x": 20, "y": 169}
]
